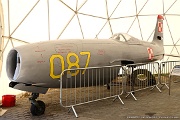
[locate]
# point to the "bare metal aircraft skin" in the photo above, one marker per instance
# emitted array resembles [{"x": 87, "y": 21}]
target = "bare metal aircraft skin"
[
  {"x": 37, "y": 67},
  {"x": 40, "y": 64}
]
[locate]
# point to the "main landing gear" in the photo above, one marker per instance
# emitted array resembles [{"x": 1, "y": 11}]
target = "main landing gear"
[{"x": 37, "y": 107}]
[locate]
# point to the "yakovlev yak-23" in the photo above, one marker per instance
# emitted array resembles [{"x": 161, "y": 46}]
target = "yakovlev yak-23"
[{"x": 37, "y": 67}]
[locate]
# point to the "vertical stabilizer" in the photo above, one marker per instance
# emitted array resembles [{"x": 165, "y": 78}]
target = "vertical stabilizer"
[{"x": 158, "y": 35}]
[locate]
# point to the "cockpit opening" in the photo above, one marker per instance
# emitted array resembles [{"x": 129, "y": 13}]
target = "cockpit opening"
[{"x": 123, "y": 37}]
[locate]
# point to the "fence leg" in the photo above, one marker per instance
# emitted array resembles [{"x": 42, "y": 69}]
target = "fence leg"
[
  {"x": 169, "y": 85},
  {"x": 131, "y": 93},
  {"x": 118, "y": 97},
  {"x": 157, "y": 88},
  {"x": 164, "y": 85},
  {"x": 74, "y": 111}
]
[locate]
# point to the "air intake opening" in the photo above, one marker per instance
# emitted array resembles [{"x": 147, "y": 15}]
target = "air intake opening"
[{"x": 13, "y": 65}]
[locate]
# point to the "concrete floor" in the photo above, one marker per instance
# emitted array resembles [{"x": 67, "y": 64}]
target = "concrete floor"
[{"x": 149, "y": 105}]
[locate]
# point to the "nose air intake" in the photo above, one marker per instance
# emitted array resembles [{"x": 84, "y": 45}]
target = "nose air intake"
[{"x": 13, "y": 65}]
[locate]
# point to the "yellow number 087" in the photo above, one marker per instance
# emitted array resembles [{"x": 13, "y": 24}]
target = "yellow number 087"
[{"x": 70, "y": 64}]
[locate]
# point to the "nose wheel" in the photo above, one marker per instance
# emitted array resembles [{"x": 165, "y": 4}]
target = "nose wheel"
[{"x": 37, "y": 107}]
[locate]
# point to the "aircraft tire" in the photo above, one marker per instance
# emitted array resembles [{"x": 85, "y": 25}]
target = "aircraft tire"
[
  {"x": 37, "y": 111},
  {"x": 143, "y": 77}
]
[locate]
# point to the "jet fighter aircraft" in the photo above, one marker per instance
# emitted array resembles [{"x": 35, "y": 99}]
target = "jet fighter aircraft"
[{"x": 37, "y": 67}]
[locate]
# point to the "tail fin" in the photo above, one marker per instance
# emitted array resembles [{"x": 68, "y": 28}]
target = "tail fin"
[{"x": 158, "y": 35}]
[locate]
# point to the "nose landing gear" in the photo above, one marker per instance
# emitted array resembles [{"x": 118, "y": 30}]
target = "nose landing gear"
[{"x": 37, "y": 107}]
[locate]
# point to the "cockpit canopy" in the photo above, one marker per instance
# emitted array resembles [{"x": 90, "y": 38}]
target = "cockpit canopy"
[{"x": 121, "y": 37}]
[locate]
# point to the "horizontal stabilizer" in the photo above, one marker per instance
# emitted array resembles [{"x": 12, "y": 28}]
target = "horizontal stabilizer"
[{"x": 171, "y": 55}]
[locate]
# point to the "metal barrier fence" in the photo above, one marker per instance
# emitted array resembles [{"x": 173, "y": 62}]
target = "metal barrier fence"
[
  {"x": 143, "y": 76},
  {"x": 84, "y": 85},
  {"x": 165, "y": 69}
]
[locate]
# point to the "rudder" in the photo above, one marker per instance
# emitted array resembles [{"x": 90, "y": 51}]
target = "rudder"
[{"x": 158, "y": 35}]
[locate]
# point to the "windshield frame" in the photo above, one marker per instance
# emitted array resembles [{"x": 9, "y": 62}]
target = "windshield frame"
[{"x": 125, "y": 36}]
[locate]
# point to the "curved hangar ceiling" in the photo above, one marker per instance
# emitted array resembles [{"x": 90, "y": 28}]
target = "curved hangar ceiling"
[{"x": 40, "y": 20}]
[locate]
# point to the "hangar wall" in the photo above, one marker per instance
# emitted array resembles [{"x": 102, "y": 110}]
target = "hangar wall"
[{"x": 41, "y": 20}]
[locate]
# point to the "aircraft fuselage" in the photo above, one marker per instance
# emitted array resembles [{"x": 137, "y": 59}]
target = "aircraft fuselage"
[{"x": 46, "y": 60}]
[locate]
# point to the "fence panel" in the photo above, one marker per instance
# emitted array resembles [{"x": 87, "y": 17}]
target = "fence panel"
[
  {"x": 166, "y": 68},
  {"x": 85, "y": 85},
  {"x": 143, "y": 76}
]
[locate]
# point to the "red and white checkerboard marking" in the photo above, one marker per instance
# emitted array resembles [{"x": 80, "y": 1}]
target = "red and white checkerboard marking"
[
  {"x": 160, "y": 26},
  {"x": 150, "y": 52}
]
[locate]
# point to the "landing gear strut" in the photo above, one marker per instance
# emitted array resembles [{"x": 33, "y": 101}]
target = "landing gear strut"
[{"x": 37, "y": 107}]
